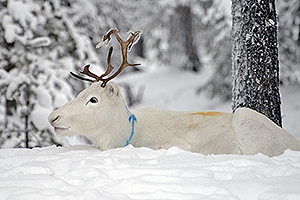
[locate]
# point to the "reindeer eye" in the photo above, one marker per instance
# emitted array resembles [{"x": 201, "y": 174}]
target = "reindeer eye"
[{"x": 94, "y": 100}]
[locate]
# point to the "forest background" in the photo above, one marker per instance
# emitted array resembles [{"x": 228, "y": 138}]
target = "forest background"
[{"x": 42, "y": 41}]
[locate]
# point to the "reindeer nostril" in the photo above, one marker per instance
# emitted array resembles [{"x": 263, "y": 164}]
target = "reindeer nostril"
[{"x": 56, "y": 119}]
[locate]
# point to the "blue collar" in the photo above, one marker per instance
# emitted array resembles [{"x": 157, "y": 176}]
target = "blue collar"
[{"x": 133, "y": 120}]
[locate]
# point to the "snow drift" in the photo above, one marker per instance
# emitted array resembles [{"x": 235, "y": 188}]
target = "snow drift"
[{"x": 85, "y": 172}]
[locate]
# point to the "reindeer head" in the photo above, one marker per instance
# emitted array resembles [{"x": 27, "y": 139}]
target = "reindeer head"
[
  {"x": 100, "y": 106},
  {"x": 92, "y": 111}
]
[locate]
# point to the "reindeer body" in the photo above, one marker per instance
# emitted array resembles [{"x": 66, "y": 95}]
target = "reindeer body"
[
  {"x": 112, "y": 125},
  {"x": 243, "y": 132},
  {"x": 190, "y": 131},
  {"x": 100, "y": 112}
]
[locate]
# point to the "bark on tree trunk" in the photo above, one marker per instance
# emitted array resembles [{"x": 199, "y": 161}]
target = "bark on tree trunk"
[{"x": 255, "y": 57}]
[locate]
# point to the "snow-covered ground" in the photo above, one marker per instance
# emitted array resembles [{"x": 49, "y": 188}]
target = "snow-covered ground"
[{"x": 85, "y": 172}]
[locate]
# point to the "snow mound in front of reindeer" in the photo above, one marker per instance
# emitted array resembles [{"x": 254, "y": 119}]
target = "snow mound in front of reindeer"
[{"x": 85, "y": 172}]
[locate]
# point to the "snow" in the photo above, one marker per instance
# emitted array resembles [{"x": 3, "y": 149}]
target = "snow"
[
  {"x": 84, "y": 172},
  {"x": 168, "y": 88},
  {"x": 38, "y": 117},
  {"x": 40, "y": 42},
  {"x": 10, "y": 29},
  {"x": 23, "y": 12},
  {"x": 291, "y": 109}
]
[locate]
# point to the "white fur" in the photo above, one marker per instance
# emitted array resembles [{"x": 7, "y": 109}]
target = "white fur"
[{"x": 107, "y": 121}]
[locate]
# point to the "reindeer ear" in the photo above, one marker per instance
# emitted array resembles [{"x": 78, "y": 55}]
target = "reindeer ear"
[{"x": 112, "y": 90}]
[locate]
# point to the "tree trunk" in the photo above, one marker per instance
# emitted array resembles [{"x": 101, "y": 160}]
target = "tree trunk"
[
  {"x": 255, "y": 57},
  {"x": 184, "y": 52},
  {"x": 27, "y": 97}
]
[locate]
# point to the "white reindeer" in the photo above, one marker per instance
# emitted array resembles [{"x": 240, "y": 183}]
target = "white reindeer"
[{"x": 100, "y": 112}]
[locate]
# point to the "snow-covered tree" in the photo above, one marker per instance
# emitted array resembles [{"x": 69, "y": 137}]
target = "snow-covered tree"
[
  {"x": 214, "y": 40},
  {"x": 41, "y": 41},
  {"x": 170, "y": 29},
  {"x": 218, "y": 27},
  {"x": 289, "y": 40},
  {"x": 255, "y": 57}
]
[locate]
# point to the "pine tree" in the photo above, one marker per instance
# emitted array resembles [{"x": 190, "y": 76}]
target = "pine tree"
[
  {"x": 289, "y": 40},
  {"x": 214, "y": 34},
  {"x": 255, "y": 58},
  {"x": 41, "y": 41}
]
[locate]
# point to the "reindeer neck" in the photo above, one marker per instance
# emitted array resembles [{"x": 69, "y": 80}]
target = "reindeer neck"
[
  {"x": 123, "y": 126},
  {"x": 132, "y": 120}
]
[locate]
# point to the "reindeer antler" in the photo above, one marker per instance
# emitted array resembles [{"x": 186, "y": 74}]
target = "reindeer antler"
[{"x": 126, "y": 46}]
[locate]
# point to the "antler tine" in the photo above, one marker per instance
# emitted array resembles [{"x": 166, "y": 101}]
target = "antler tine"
[
  {"x": 109, "y": 67},
  {"x": 124, "y": 48},
  {"x": 81, "y": 78},
  {"x": 86, "y": 71},
  {"x": 123, "y": 66}
]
